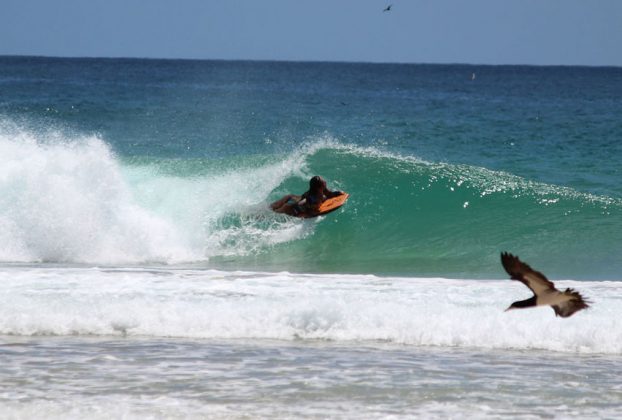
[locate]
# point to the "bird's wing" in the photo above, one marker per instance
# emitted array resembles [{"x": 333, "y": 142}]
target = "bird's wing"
[
  {"x": 518, "y": 270},
  {"x": 573, "y": 302}
]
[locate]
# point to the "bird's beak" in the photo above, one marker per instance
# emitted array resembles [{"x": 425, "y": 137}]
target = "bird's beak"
[{"x": 509, "y": 307}]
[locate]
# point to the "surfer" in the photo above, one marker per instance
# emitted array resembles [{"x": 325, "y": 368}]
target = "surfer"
[{"x": 309, "y": 202}]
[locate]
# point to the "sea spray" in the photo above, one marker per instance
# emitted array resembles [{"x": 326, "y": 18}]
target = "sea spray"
[
  {"x": 65, "y": 200},
  {"x": 71, "y": 199}
]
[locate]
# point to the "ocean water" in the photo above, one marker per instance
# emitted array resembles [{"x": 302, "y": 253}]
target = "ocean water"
[{"x": 143, "y": 276}]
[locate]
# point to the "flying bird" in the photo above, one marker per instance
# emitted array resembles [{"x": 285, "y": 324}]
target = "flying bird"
[
  {"x": 563, "y": 303},
  {"x": 388, "y": 8}
]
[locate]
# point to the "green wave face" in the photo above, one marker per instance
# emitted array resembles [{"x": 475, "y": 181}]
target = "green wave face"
[
  {"x": 78, "y": 202},
  {"x": 406, "y": 216}
]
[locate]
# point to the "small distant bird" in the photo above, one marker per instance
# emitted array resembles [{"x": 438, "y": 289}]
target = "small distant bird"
[
  {"x": 563, "y": 303},
  {"x": 473, "y": 76},
  {"x": 388, "y": 8}
]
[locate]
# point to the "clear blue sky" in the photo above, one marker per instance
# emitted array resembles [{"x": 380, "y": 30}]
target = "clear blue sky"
[{"x": 415, "y": 31}]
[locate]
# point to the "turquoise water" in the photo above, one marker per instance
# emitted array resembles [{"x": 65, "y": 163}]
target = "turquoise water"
[{"x": 444, "y": 172}]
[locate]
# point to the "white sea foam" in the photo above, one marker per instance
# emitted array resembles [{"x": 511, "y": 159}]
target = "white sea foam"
[
  {"x": 283, "y": 306},
  {"x": 69, "y": 199},
  {"x": 63, "y": 200}
]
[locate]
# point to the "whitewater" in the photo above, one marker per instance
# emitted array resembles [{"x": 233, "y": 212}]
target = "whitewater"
[
  {"x": 185, "y": 303},
  {"x": 71, "y": 200},
  {"x": 185, "y": 343}
]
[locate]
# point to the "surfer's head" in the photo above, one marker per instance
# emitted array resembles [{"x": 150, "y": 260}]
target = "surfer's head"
[{"x": 317, "y": 184}]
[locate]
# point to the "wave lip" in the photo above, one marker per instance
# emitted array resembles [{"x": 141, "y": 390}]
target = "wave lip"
[{"x": 284, "y": 306}]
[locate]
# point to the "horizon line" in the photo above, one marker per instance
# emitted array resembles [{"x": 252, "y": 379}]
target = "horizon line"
[{"x": 302, "y": 61}]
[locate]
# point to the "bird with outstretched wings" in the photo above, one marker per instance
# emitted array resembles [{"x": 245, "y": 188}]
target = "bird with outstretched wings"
[{"x": 563, "y": 303}]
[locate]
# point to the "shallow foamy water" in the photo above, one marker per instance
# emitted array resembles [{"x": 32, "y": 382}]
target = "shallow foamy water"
[
  {"x": 179, "y": 343},
  {"x": 70, "y": 377}
]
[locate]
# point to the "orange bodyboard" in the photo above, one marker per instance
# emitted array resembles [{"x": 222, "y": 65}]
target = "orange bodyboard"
[{"x": 331, "y": 204}]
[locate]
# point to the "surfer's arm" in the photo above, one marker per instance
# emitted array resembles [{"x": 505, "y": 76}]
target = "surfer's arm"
[{"x": 330, "y": 194}]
